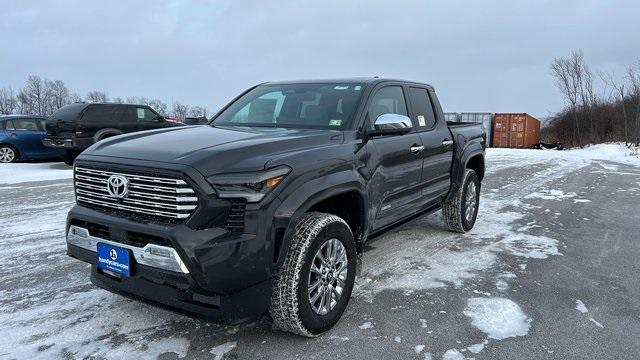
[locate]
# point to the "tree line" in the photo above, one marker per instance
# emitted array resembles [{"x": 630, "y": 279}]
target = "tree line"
[
  {"x": 44, "y": 96},
  {"x": 599, "y": 106}
]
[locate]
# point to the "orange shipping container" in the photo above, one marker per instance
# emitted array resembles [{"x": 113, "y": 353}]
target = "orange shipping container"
[{"x": 515, "y": 130}]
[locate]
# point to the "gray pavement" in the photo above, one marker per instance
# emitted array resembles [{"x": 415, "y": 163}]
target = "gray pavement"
[{"x": 550, "y": 271}]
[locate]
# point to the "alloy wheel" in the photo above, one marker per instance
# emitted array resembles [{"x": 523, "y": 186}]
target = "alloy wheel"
[
  {"x": 7, "y": 154},
  {"x": 471, "y": 201},
  {"x": 327, "y": 277}
]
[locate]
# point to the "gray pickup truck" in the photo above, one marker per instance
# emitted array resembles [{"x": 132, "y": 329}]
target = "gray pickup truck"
[{"x": 268, "y": 207}]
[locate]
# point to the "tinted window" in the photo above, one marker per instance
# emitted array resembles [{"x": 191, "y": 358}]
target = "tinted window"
[
  {"x": 388, "y": 100},
  {"x": 25, "y": 125},
  {"x": 294, "y": 105},
  {"x": 69, "y": 112},
  {"x": 3, "y": 125},
  {"x": 101, "y": 114},
  {"x": 144, "y": 114},
  {"x": 423, "y": 111}
]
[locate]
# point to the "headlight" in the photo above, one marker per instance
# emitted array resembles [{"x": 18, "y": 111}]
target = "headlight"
[{"x": 252, "y": 186}]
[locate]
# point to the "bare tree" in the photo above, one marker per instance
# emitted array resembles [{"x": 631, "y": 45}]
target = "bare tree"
[
  {"x": 75, "y": 98},
  {"x": 117, "y": 100},
  {"x": 97, "y": 97},
  {"x": 57, "y": 95},
  {"x": 568, "y": 74},
  {"x": 198, "y": 111},
  {"x": 619, "y": 91},
  {"x": 633, "y": 76},
  {"x": 158, "y": 106},
  {"x": 179, "y": 110},
  {"x": 33, "y": 98},
  {"x": 8, "y": 102}
]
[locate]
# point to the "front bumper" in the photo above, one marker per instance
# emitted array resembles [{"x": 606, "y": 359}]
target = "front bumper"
[{"x": 210, "y": 272}]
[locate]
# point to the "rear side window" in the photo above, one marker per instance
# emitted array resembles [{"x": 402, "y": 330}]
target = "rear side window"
[
  {"x": 388, "y": 100},
  {"x": 3, "y": 125},
  {"x": 424, "y": 116},
  {"x": 101, "y": 114},
  {"x": 25, "y": 125}
]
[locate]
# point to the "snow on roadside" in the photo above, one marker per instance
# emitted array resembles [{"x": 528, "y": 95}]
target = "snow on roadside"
[
  {"x": 16, "y": 173},
  {"x": 499, "y": 318}
]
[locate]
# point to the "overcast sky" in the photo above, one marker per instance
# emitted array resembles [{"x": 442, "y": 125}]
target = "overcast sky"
[{"x": 480, "y": 55}]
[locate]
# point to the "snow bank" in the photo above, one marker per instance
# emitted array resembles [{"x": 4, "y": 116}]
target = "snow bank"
[
  {"x": 26, "y": 172},
  {"x": 615, "y": 152}
]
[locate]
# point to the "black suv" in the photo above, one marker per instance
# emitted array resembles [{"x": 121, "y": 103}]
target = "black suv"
[
  {"x": 75, "y": 127},
  {"x": 270, "y": 206}
]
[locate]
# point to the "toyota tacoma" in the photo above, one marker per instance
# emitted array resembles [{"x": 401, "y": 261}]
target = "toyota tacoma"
[{"x": 268, "y": 206}]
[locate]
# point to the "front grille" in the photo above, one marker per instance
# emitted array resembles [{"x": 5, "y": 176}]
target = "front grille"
[{"x": 159, "y": 197}]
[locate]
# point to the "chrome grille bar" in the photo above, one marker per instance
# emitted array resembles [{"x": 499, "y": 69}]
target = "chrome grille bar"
[{"x": 160, "y": 197}]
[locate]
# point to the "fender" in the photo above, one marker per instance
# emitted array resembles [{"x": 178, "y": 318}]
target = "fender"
[
  {"x": 457, "y": 169},
  {"x": 107, "y": 131},
  {"x": 310, "y": 193}
]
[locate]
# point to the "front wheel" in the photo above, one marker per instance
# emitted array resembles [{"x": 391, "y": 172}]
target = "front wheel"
[
  {"x": 460, "y": 213},
  {"x": 8, "y": 154},
  {"x": 314, "y": 285}
]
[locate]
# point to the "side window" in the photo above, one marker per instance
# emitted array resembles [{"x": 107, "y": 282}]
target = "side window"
[
  {"x": 100, "y": 115},
  {"x": 25, "y": 125},
  {"x": 424, "y": 115},
  {"x": 9, "y": 125},
  {"x": 3, "y": 125},
  {"x": 388, "y": 100},
  {"x": 144, "y": 114}
]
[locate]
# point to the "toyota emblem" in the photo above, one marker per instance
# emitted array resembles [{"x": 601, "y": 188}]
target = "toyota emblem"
[{"x": 118, "y": 186}]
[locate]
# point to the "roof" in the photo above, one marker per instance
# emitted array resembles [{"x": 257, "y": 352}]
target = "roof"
[{"x": 354, "y": 80}]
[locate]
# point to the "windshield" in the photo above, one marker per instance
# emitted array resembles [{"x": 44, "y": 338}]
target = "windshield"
[{"x": 328, "y": 106}]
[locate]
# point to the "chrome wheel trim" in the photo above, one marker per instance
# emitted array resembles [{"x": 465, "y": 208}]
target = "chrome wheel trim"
[
  {"x": 327, "y": 276},
  {"x": 471, "y": 201},
  {"x": 7, "y": 154}
]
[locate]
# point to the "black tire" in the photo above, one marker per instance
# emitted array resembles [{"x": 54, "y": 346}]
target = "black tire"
[
  {"x": 454, "y": 211},
  {"x": 70, "y": 156},
  {"x": 9, "y": 154},
  {"x": 290, "y": 308}
]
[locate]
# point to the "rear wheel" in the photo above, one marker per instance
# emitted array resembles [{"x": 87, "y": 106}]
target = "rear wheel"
[
  {"x": 8, "y": 154},
  {"x": 314, "y": 285},
  {"x": 460, "y": 213},
  {"x": 70, "y": 156}
]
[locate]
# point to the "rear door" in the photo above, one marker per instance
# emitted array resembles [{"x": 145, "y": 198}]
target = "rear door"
[
  {"x": 26, "y": 135},
  {"x": 435, "y": 178},
  {"x": 394, "y": 185}
]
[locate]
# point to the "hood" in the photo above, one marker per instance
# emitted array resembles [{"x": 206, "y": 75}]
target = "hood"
[{"x": 213, "y": 150}]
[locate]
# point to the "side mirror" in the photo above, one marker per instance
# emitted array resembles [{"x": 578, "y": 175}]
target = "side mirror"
[{"x": 387, "y": 124}]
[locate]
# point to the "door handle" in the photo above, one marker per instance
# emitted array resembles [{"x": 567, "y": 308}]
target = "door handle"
[
  {"x": 447, "y": 142},
  {"x": 417, "y": 148}
]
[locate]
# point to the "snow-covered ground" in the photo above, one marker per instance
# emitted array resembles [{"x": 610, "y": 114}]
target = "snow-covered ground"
[
  {"x": 27, "y": 172},
  {"x": 49, "y": 309}
]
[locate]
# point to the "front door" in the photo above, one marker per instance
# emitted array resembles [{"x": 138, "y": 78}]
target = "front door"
[
  {"x": 394, "y": 184},
  {"x": 438, "y": 145}
]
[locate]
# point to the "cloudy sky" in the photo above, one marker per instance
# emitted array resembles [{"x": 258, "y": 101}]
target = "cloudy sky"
[{"x": 480, "y": 55}]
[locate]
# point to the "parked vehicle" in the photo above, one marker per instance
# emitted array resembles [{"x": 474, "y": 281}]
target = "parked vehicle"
[
  {"x": 21, "y": 138},
  {"x": 515, "y": 130},
  {"x": 75, "y": 127},
  {"x": 200, "y": 120},
  {"x": 269, "y": 208}
]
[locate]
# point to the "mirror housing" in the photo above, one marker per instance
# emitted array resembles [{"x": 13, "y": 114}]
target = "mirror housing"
[{"x": 387, "y": 124}]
